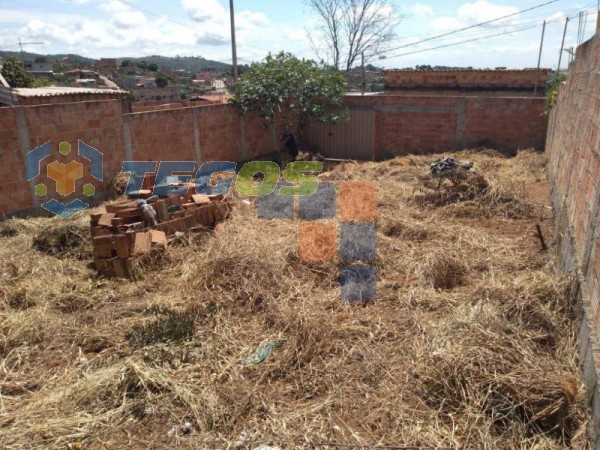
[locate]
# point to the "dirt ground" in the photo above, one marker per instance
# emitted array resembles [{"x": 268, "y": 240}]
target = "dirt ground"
[{"x": 470, "y": 343}]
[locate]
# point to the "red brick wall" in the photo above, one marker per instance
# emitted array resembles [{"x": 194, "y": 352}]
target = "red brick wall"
[
  {"x": 504, "y": 122},
  {"x": 169, "y": 135},
  {"x": 14, "y": 188},
  {"x": 574, "y": 170},
  {"x": 426, "y": 124},
  {"x": 574, "y": 155},
  {"x": 468, "y": 80},
  {"x": 205, "y": 133}
]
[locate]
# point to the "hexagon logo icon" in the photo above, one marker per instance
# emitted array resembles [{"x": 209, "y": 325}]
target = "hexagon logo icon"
[{"x": 65, "y": 176}]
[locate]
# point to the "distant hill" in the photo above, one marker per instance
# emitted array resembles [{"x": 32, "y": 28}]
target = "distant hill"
[
  {"x": 52, "y": 58},
  {"x": 189, "y": 63}
]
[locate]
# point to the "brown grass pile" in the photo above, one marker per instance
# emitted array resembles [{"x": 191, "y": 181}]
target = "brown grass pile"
[
  {"x": 118, "y": 185},
  {"x": 469, "y": 345},
  {"x": 64, "y": 238}
]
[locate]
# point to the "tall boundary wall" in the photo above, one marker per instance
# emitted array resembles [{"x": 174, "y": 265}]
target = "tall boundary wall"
[
  {"x": 573, "y": 148},
  {"x": 385, "y": 126},
  {"x": 379, "y": 127},
  {"x": 200, "y": 133}
]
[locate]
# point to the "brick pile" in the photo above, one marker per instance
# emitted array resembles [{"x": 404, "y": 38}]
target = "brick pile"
[{"x": 120, "y": 235}]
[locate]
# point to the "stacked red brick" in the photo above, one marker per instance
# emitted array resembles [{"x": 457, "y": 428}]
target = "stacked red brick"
[{"x": 120, "y": 236}]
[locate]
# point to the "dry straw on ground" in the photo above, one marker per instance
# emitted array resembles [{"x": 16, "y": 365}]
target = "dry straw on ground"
[{"x": 470, "y": 343}]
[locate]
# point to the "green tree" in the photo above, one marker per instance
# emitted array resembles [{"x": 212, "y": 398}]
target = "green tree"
[
  {"x": 41, "y": 82},
  {"x": 15, "y": 75},
  {"x": 161, "y": 80},
  {"x": 143, "y": 65},
  {"x": 153, "y": 67},
  {"x": 41, "y": 59},
  {"x": 126, "y": 63},
  {"x": 291, "y": 90}
]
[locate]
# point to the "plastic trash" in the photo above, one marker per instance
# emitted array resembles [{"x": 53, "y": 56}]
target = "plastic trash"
[{"x": 263, "y": 352}]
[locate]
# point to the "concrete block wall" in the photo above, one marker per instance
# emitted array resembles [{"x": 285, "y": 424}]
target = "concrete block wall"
[
  {"x": 573, "y": 150},
  {"x": 203, "y": 133}
]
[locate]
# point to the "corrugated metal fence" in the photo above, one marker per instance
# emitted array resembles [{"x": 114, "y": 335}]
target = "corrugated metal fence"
[{"x": 354, "y": 139}]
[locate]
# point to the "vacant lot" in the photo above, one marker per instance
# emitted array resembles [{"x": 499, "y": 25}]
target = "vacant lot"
[{"x": 231, "y": 337}]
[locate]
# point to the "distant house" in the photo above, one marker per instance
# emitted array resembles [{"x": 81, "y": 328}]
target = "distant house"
[
  {"x": 85, "y": 77},
  {"x": 145, "y": 82},
  {"x": 107, "y": 64},
  {"x": 126, "y": 82},
  {"x": 206, "y": 76},
  {"x": 82, "y": 74},
  {"x": 158, "y": 95},
  {"x": 40, "y": 69}
]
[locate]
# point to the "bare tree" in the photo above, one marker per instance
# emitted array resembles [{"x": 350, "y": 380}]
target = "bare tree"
[{"x": 348, "y": 29}]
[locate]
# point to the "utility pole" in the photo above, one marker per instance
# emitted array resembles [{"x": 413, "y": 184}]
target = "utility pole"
[
  {"x": 233, "y": 45},
  {"x": 21, "y": 44},
  {"x": 540, "y": 56},
  {"x": 364, "y": 74},
  {"x": 562, "y": 46},
  {"x": 571, "y": 52},
  {"x": 579, "y": 28}
]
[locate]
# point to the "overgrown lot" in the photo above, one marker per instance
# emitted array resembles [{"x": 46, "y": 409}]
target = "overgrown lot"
[{"x": 234, "y": 339}]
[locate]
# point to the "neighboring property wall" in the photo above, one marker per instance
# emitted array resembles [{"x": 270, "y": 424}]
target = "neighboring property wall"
[
  {"x": 203, "y": 133},
  {"x": 466, "y": 82},
  {"x": 14, "y": 189},
  {"x": 574, "y": 170},
  {"x": 425, "y": 124}
]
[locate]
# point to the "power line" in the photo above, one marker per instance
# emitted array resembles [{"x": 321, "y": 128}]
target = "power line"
[
  {"x": 472, "y": 40},
  {"x": 473, "y": 26}
]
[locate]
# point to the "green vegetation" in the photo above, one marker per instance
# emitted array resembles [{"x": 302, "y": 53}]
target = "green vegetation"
[
  {"x": 15, "y": 75},
  {"x": 63, "y": 80},
  {"x": 552, "y": 92},
  {"x": 291, "y": 90},
  {"x": 161, "y": 80},
  {"x": 40, "y": 82}
]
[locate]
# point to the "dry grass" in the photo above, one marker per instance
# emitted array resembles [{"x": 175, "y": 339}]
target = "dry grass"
[{"x": 470, "y": 343}]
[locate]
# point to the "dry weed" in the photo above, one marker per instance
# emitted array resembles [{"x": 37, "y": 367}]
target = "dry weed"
[{"x": 469, "y": 345}]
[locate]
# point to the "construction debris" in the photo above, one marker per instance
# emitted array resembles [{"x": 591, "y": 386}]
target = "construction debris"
[
  {"x": 449, "y": 167},
  {"x": 131, "y": 229}
]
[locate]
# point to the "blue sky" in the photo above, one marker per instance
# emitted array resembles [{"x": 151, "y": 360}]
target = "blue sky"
[{"x": 119, "y": 28}]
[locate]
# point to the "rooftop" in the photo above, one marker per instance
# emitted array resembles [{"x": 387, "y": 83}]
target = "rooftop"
[{"x": 53, "y": 91}]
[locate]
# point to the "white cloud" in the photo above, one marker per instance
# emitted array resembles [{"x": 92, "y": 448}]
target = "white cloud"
[
  {"x": 420, "y": 10},
  {"x": 205, "y": 10},
  {"x": 476, "y": 12},
  {"x": 294, "y": 34},
  {"x": 482, "y": 10},
  {"x": 129, "y": 19}
]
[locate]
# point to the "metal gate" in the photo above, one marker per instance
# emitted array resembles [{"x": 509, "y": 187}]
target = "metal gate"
[{"x": 354, "y": 139}]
